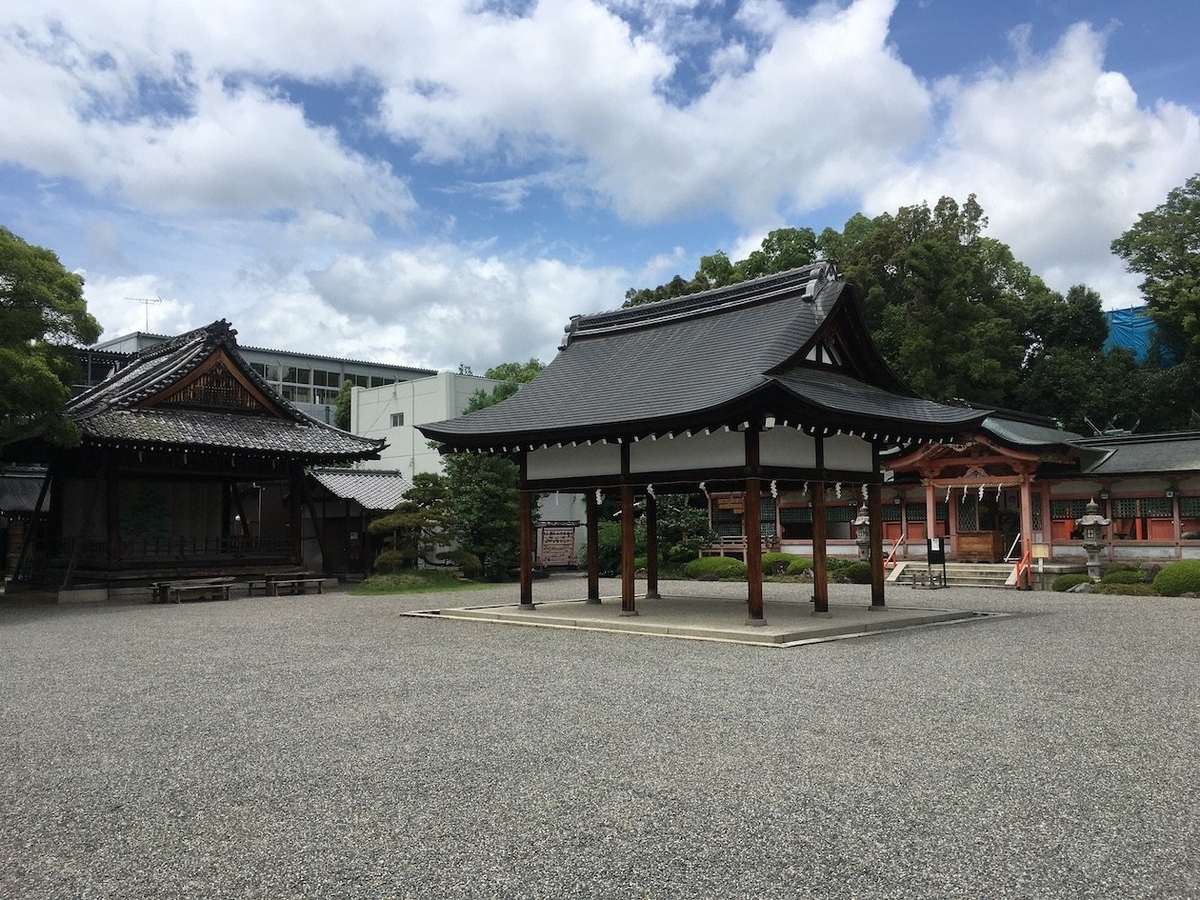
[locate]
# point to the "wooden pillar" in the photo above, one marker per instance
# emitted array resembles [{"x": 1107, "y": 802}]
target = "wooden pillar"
[
  {"x": 652, "y": 548},
  {"x": 296, "y": 512},
  {"x": 930, "y": 512},
  {"x": 593, "y": 547},
  {"x": 226, "y": 509},
  {"x": 628, "y": 603},
  {"x": 112, "y": 499},
  {"x": 752, "y": 522},
  {"x": 752, "y": 527},
  {"x": 875, "y": 511},
  {"x": 525, "y": 541},
  {"x": 524, "y": 533},
  {"x": 820, "y": 567}
]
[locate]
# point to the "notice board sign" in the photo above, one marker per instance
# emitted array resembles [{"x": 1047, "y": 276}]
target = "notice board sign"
[
  {"x": 558, "y": 544},
  {"x": 935, "y": 550}
]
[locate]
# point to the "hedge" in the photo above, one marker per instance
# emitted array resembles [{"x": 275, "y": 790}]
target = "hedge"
[
  {"x": 1180, "y": 577},
  {"x": 1066, "y": 582},
  {"x": 716, "y": 568}
]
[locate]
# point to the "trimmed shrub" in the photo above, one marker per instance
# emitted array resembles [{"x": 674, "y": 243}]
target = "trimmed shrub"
[
  {"x": 776, "y": 563},
  {"x": 390, "y": 561},
  {"x": 1179, "y": 577},
  {"x": 468, "y": 563},
  {"x": 640, "y": 563},
  {"x": 1125, "y": 590},
  {"x": 716, "y": 568},
  {"x": 856, "y": 573},
  {"x": 1120, "y": 567},
  {"x": 1124, "y": 576},
  {"x": 835, "y": 564},
  {"x": 1066, "y": 582},
  {"x": 799, "y": 565}
]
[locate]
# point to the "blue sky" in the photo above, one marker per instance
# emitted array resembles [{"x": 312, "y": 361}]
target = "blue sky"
[{"x": 436, "y": 184}]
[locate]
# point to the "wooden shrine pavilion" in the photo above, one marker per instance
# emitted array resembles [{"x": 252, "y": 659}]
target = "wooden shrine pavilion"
[
  {"x": 189, "y": 464},
  {"x": 771, "y": 383}
]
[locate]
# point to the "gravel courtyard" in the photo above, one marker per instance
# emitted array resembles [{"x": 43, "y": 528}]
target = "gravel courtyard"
[{"x": 329, "y": 747}]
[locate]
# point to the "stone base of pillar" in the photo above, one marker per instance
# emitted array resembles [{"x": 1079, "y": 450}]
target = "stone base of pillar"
[
  {"x": 877, "y": 607},
  {"x": 653, "y": 595},
  {"x": 594, "y": 601},
  {"x": 822, "y": 615},
  {"x": 527, "y": 607},
  {"x": 629, "y": 612},
  {"x": 756, "y": 623}
]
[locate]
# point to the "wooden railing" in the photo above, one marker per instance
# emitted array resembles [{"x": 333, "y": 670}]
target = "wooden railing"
[
  {"x": 1023, "y": 571},
  {"x": 890, "y": 562},
  {"x": 736, "y": 543}
]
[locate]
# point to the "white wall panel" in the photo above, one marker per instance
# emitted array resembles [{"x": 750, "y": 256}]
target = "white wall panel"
[
  {"x": 720, "y": 449},
  {"x": 787, "y": 447},
  {"x": 572, "y": 462}
]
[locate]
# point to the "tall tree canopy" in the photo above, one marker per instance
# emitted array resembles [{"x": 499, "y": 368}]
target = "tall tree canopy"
[
  {"x": 482, "y": 489},
  {"x": 1163, "y": 245},
  {"x": 43, "y": 316},
  {"x": 951, "y": 310}
]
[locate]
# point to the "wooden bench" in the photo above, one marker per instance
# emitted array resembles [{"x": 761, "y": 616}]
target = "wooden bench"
[
  {"x": 165, "y": 591},
  {"x": 265, "y": 583},
  {"x": 296, "y": 585}
]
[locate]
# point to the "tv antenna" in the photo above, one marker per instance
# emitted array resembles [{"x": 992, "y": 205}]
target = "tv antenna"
[{"x": 146, "y": 301}]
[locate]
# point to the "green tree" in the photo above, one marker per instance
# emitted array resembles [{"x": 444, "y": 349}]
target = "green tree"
[
  {"x": 43, "y": 317},
  {"x": 1164, "y": 246},
  {"x": 420, "y": 521},
  {"x": 483, "y": 490},
  {"x": 345, "y": 398}
]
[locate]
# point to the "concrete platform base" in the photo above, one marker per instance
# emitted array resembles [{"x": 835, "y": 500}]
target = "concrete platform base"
[{"x": 789, "y": 623}]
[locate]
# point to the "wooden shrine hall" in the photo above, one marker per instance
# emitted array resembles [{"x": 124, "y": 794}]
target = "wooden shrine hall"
[
  {"x": 189, "y": 463},
  {"x": 763, "y": 385}
]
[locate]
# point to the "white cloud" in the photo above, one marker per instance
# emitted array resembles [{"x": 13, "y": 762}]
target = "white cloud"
[
  {"x": 443, "y": 305},
  {"x": 1062, "y": 157},
  {"x": 208, "y": 148}
]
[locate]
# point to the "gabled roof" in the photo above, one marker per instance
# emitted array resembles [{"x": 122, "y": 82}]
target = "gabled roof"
[
  {"x": 1143, "y": 454},
  {"x": 375, "y": 490},
  {"x": 791, "y": 346},
  {"x": 196, "y": 391}
]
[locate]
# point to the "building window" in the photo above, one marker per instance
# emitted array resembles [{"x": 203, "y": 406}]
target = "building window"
[{"x": 397, "y": 419}]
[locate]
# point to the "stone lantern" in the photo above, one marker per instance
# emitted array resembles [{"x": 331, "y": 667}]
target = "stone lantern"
[
  {"x": 862, "y": 533},
  {"x": 1093, "y": 537}
]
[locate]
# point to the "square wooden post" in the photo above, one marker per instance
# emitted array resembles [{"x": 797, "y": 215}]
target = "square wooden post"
[
  {"x": 525, "y": 543},
  {"x": 875, "y": 511},
  {"x": 524, "y": 534},
  {"x": 820, "y": 566},
  {"x": 628, "y": 601},
  {"x": 652, "y": 547},
  {"x": 593, "y": 547},
  {"x": 752, "y": 527}
]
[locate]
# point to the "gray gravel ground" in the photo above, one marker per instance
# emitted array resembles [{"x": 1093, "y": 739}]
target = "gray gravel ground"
[{"x": 327, "y": 747}]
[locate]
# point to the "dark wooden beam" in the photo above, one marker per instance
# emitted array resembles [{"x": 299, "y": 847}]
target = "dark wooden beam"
[
  {"x": 752, "y": 526},
  {"x": 593, "y": 547},
  {"x": 524, "y": 533},
  {"x": 652, "y": 548},
  {"x": 820, "y": 568},
  {"x": 628, "y": 602},
  {"x": 875, "y": 511}
]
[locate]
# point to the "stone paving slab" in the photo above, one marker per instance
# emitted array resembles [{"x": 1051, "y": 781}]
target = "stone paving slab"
[{"x": 787, "y": 623}]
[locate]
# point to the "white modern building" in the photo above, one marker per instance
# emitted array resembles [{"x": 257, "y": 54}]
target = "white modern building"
[{"x": 394, "y": 411}]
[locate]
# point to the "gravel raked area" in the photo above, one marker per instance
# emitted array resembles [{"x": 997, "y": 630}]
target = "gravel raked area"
[{"x": 326, "y": 746}]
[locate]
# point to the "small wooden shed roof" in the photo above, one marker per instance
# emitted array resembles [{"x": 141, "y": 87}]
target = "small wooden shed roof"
[{"x": 790, "y": 349}]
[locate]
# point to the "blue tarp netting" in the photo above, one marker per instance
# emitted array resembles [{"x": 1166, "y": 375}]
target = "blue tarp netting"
[{"x": 1130, "y": 329}]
